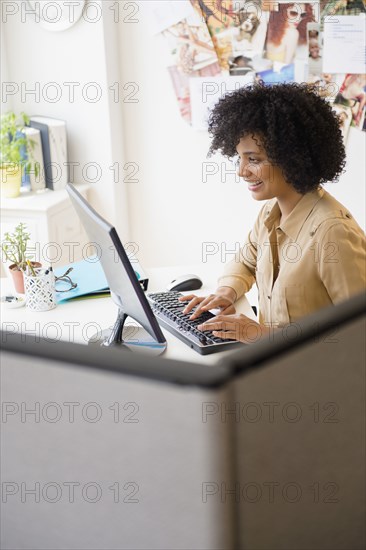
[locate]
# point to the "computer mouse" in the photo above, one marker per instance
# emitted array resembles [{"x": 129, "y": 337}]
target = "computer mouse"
[{"x": 185, "y": 282}]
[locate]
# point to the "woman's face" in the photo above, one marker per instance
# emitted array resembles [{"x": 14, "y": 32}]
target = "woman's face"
[
  {"x": 294, "y": 13},
  {"x": 264, "y": 179}
]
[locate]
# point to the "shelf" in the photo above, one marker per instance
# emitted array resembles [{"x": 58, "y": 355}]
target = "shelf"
[{"x": 38, "y": 202}]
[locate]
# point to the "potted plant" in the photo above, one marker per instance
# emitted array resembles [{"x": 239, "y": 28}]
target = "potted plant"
[
  {"x": 15, "y": 153},
  {"x": 14, "y": 247}
]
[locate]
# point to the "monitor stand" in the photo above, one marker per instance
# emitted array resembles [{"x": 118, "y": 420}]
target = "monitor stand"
[{"x": 128, "y": 337}]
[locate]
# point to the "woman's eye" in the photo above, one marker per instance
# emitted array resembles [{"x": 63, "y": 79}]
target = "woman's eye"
[{"x": 252, "y": 160}]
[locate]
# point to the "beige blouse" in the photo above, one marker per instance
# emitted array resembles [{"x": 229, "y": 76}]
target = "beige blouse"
[{"x": 316, "y": 257}]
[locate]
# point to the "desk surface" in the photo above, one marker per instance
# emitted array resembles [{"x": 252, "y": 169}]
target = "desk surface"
[{"x": 79, "y": 320}]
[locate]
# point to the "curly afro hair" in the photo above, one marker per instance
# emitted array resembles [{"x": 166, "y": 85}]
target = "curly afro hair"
[{"x": 298, "y": 130}]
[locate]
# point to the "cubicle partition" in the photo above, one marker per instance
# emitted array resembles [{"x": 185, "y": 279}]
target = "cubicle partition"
[
  {"x": 108, "y": 450},
  {"x": 99, "y": 459},
  {"x": 300, "y": 436}
]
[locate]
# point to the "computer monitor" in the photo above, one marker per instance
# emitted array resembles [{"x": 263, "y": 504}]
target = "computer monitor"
[{"x": 125, "y": 289}]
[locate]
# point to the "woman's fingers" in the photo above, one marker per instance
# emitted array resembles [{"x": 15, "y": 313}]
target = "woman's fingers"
[
  {"x": 227, "y": 335},
  {"x": 216, "y": 323},
  {"x": 187, "y": 297},
  {"x": 206, "y": 303},
  {"x": 236, "y": 327},
  {"x": 228, "y": 310},
  {"x": 211, "y": 302},
  {"x": 193, "y": 301}
]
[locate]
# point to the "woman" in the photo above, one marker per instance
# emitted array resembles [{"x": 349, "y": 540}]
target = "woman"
[
  {"x": 305, "y": 250},
  {"x": 287, "y": 31}
]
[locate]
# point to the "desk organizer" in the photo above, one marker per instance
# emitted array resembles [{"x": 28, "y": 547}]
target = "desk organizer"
[{"x": 40, "y": 290}]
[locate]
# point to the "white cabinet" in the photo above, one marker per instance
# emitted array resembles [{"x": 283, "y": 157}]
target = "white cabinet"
[{"x": 57, "y": 236}]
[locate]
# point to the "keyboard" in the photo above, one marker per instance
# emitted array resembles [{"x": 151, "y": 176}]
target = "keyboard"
[{"x": 169, "y": 313}]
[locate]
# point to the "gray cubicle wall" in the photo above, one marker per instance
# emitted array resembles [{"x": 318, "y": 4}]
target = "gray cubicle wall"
[
  {"x": 264, "y": 452},
  {"x": 300, "y": 436},
  {"x": 136, "y": 446}
]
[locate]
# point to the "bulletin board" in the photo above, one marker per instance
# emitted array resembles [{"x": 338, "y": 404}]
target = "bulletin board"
[{"x": 216, "y": 46}]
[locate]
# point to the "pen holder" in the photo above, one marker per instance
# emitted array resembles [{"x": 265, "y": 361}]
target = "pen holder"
[{"x": 40, "y": 290}]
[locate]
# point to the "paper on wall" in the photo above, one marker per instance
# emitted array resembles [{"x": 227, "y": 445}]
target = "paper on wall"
[
  {"x": 344, "y": 44},
  {"x": 192, "y": 54},
  {"x": 163, "y": 14},
  {"x": 206, "y": 91}
]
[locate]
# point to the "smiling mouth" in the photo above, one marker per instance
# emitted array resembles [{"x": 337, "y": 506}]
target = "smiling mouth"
[{"x": 254, "y": 185}]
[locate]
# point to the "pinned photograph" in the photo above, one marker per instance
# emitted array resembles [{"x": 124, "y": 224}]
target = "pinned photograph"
[
  {"x": 352, "y": 94},
  {"x": 327, "y": 85},
  {"x": 345, "y": 117},
  {"x": 251, "y": 32},
  {"x": 287, "y": 31},
  {"x": 219, "y": 15},
  {"x": 162, "y": 14},
  {"x": 190, "y": 46},
  {"x": 237, "y": 28},
  {"x": 341, "y": 7},
  {"x": 193, "y": 54},
  {"x": 315, "y": 49},
  {"x": 269, "y": 5},
  {"x": 240, "y": 65},
  {"x": 278, "y": 74}
]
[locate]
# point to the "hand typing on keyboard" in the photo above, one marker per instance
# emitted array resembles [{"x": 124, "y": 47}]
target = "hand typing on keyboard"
[
  {"x": 223, "y": 300},
  {"x": 235, "y": 327},
  {"x": 169, "y": 308}
]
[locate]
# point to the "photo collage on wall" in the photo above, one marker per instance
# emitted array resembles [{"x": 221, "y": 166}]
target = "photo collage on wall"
[
  {"x": 191, "y": 52},
  {"x": 237, "y": 41}
]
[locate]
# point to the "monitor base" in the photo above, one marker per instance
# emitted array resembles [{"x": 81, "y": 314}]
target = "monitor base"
[{"x": 128, "y": 337}]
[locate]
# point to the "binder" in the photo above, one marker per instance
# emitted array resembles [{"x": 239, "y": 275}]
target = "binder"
[
  {"x": 91, "y": 280},
  {"x": 54, "y": 149},
  {"x": 39, "y": 182},
  {"x": 24, "y": 156}
]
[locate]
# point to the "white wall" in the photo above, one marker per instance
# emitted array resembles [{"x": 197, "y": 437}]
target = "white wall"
[
  {"x": 350, "y": 190},
  {"x": 173, "y": 212},
  {"x": 81, "y": 54},
  {"x": 6, "y": 105}
]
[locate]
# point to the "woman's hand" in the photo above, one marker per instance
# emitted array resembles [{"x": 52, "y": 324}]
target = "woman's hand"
[
  {"x": 235, "y": 327},
  {"x": 222, "y": 299}
]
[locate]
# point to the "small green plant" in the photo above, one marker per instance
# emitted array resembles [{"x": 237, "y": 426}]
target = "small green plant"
[
  {"x": 14, "y": 145},
  {"x": 14, "y": 246}
]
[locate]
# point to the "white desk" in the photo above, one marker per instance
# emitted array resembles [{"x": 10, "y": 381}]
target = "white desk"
[{"x": 79, "y": 320}]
